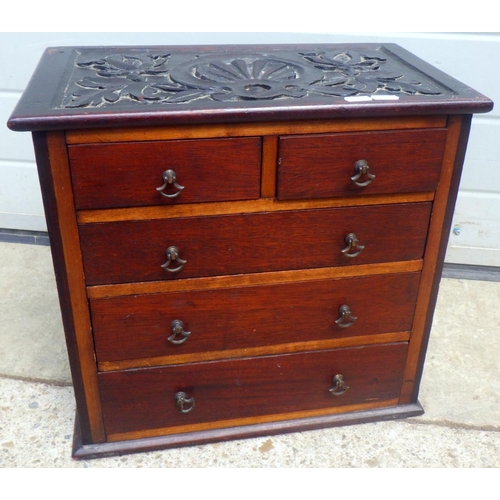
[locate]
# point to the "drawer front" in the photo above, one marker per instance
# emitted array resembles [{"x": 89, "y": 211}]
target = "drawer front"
[
  {"x": 136, "y": 400},
  {"x": 128, "y": 174},
  {"x": 321, "y": 166},
  {"x": 134, "y": 251},
  {"x": 215, "y": 320}
]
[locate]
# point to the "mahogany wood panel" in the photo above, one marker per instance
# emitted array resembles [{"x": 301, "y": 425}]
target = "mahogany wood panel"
[
  {"x": 439, "y": 231},
  {"x": 127, "y": 174},
  {"x": 319, "y": 166},
  {"x": 243, "y": 207},
  {"x": 217, "y": 282},
  {"x": 272, "y": 128},
  {"x": 247, "y": 352},
  {"x": 269, "y": 159},
  {"x": 144, "y": 399},
  {"x": 266, "y": 206},
  {"x": 236, "y": 318},
  {"x": 52, "y": 163},
  {"x": 134, "y": 251}
]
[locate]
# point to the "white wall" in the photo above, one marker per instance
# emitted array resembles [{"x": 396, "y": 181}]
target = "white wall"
[{"x": 471, "y": 58}]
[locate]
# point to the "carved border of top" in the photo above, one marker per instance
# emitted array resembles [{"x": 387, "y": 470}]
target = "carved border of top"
[{"x": 165, "y": 78}]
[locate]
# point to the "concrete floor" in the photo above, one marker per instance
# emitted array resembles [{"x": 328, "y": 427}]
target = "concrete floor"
[{"x": 460, "y": 390}]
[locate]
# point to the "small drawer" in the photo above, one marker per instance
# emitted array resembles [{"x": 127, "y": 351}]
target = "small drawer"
[
  {"x": 149, "y": 250},
  {"x": 165, "y": 324},
  {"x": 146, "y": 399},
  {"x": 133, "y": 173},
  {"x": 323, "y": 166}
]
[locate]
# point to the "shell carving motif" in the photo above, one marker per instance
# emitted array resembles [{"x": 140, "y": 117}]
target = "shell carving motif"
[{"x": 251, "y": 78}]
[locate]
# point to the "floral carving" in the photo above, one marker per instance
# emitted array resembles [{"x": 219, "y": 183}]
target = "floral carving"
[
  {"x": 117, "y": 76},
  {"x": 145, "y": 78},
  {"x": 352, "y": 73}
]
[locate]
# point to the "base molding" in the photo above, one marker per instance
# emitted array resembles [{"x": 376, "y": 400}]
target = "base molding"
[
  {"x": 88, "y": 451},
  {"x": 25, "y": 237},
  {"x": 471, "y": 272}
]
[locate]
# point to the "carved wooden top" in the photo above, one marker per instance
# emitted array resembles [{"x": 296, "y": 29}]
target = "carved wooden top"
[
  {"x": 158, "y": 77},
  {"x": 99, "y": 86}
]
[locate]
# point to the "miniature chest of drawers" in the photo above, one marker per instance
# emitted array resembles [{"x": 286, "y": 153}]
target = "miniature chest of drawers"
[{"x": 247, "y": 240}]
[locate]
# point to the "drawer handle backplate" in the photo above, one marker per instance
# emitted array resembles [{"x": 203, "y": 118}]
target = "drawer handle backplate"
[
  {"x": 361, "y": 168},
  {"x": 173, "y": 255},
  {"x": 178, "y": 329},
  {"x": 346, "y": 318},
  {"x": 181, "y": 399},
  {"x": 339, "y": 388},
  {"x": 352, "y": 244},
  {"x": 170, "y": 177}
]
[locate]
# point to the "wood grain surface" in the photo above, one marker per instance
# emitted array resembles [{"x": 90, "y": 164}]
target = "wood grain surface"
[
  {"x": 144, "y": 399},
  {"x": 127, "y": 174},
  {"x": 138, "y": 326},
  {"x": 134, "y": 251},
  {"x": 321, "y": 166}
]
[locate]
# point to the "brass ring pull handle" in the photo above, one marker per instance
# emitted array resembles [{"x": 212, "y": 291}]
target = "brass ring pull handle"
[
  {"x": 181, "y": 399},
  {"x": 339, "y": 388},
  {"x": 361, "y": 168},
  {"x": 170, "y": 177},
  {"x": 178, "y": 329},
  {"x": 173, "y": 255},
  {"x": 352, "y": 244},
  {"x": 346, "y": 318}
]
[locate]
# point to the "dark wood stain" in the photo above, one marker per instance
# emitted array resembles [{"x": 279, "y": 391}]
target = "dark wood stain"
[
  {"x": 138, "y": 326},
  {"x": 127, "y": 174},
  {"x": 128, "y": 94},
  {"x": 130, "y": 251},
  {"x": 321, "y": 166},
  {"x": 59, "y": 80},
  {"x": 144, "y": 399}
]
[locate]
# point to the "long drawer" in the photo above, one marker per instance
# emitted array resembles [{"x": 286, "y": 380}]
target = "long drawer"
[
  {"x": 321, "y": 166},
  {"x": 128, "y": 174},
  {"x": 133, "y": 251},
  {"x": 175, "y": 323},
  {"x": 146, "y": 399}
]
